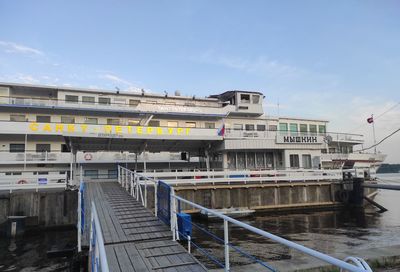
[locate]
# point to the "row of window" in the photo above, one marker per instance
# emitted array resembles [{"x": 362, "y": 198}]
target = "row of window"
[
  {"x": 292, "y": 127},
  {"x": 295, "y": 161},
  {"x": 109, "y": 121},
  {"x": 245, "y": 98},
  {"x": 74, "y": 99},
  {"x": 20, "y": 148}
]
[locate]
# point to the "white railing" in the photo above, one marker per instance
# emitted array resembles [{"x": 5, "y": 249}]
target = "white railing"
[
  {"x": 130, "y": 180},
  {"x": 353, "y": 156},
  {"x": 360, "y": 264},
  {"x": 33, "y": 157},
  {"x": 271, "y": 134},
  {"x": 97, "y": 253},
  {"x": 28, "y": 180},
  {"x": 157, "y": 106},
  {"x": 245, "y": 176},
  {"x": 136, "y": 184}
]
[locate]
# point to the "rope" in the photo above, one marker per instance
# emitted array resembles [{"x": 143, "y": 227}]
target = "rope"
[{"x": 381, "y": 141}]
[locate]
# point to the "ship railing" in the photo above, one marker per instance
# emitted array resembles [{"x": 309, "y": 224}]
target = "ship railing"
[
  {"x": 167, "y": 206},
  {"x": 31, "y": 180},
  {"x": 176, "y": 201},
  {"x": 97, "y": 253},
  {"x": 272, "y": 134},
  {"x": 245, "y": 176},
  {"x": 144, "y": 106}
]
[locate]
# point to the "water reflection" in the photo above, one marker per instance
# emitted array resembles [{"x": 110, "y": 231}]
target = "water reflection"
[
  {"x": 28, "y": 252},
  {"x": 327, "y": 231}
]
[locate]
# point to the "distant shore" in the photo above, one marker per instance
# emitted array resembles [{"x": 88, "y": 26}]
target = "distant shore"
[{"x": 387, "y": 168}]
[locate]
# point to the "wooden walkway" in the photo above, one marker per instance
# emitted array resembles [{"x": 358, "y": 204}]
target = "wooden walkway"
[{"x": 134, "y": 239}]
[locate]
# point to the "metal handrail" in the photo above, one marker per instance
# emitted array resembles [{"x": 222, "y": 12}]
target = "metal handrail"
[
  {"x": 361, "y": 265},
  {"x": 280, "y": 240},
  {"x": 99, "y": 250}
]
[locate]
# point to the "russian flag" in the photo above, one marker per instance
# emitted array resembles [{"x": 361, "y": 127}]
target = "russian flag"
[{"x": 221, "y": 130}]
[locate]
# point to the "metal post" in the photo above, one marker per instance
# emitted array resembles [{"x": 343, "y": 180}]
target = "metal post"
[
  {"x": 70, "y": 168},
  {"x": 189, "y": 245},
  {"x": 373, "y": 128},
  {"x": 119, "y": 174},
  {"x": 155, "y": 198},
  {"x": 145, "y": 193},
  {"x": 79, "y": 220},
  {"x": 26, "y": 145},
  {"x": 131, "y": 183},
  {"x": 126, "y": 179},
  {"x": 226, "y": 245},
  {"x": 137, "y": 187}
]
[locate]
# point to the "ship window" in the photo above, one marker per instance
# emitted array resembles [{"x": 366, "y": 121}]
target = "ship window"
[
  {"x": 154, "y": 123},
  {"x": 237, "y": 126},
  {"x": 272, "y": 127},
  {"x": 17, "y": 118},
  {"x": 256, "y": 98},
  {"x": 293, "y": 128},
  {"x": 43, "y": 148},
  {"x": 104, "y": 100},
  {"x": 321, "y": 129},
  {"x": 245, "y": 98},
  {"x": 306, "y": 161},
  {"x": 88, "y": 99},
  {"x": 67, "y": 119},
  {"x": 209, "y": 125},
  {"x": 172, "y": 124},
  {"x": 133, "y": 102},
  {"x": 91, "y": 173},
  {"x": 17, "y": 148},
  {"x": 191, "y": 124},
  {"x": 112, "y": 121},
  {"x": 249, "y": 127},
  {"x": 91, "y": 120},
  {"x": 43, "y": 118},
  {"x": 283, "y": 127},
  {"x": 64, "y": 148},
  {"x": 71, "y": 98},
  {"x": 294, "y": 161},
  {"x": 313, "y": 128},
  {"x": 112, "y": 173},
  {"x": 303, "y": 128},
  {"x": 261, "y": 127},
  {"x": 133, "y": 122},
  {"x": 121, "y": 101}
]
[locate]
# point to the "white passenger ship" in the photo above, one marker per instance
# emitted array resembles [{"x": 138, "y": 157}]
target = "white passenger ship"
[{"x": 47, "y": 129}]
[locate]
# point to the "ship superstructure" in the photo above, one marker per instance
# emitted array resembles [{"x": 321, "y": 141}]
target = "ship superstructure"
[{"x": 49, "y": 128}]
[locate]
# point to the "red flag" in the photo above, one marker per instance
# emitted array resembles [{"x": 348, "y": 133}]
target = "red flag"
[{"x": 370, "y": 120}]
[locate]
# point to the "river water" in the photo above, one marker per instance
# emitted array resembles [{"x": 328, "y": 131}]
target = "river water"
[
  {"x": 326, "y": 231},
  {"x": 29, "y": 252}
]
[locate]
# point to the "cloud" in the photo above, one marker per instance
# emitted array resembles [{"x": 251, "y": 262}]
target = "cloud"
[
  {"x": 127, "y": 85},
  {"x": 260, "y": 65},
  {"x": 115, "y": 79},
  {"x": 11, "y": 47}
]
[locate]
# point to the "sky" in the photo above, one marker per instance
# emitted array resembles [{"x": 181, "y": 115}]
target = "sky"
[{"x": 333, "y": 60}]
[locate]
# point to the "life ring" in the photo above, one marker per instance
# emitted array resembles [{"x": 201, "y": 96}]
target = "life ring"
[
  {"x": 88, "y": 157},
  {"x": 343, "y": 196},
  {"x": 22, "y": 181}
]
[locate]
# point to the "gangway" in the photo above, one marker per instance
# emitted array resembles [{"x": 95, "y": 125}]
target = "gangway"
[{"x": 167, "y": 206}]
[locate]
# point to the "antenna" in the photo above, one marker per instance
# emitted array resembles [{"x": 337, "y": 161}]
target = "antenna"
[{"x": 278, "y": 106}]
